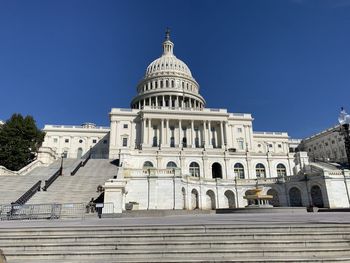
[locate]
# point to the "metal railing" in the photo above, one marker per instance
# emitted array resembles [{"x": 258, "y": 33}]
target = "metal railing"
[
  {"x": 52, "y": 211},
  {"x": 27, "y": 195},
  {"x": 80, "y": 164},
  {"x": 52, "y": 179},
  {"x": 87, "y": 159}
]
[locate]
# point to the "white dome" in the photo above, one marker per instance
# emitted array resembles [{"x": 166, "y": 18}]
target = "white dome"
[
  {"x": 168, "y": 79},
  {"x": 168, "y": 64}
]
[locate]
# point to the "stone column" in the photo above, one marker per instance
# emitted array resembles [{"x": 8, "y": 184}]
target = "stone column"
[
  {"x": 205, "y": 134},
  {"x": 156, "y": 97},
  {"x": 163, "y": 101},
  {"x": 149, "y": 132},
  {"x": 171, "y": 101},
  {"x": 167, "y": 132},
  {"x": 162, "y": 140},
  {"x": 142, "y": 142},
  {"x": 209, "y": 134},
  {"x": 192, "y": 134},
  {"x": 180, "y": 139},
  {"x": 222, "y": 135}
]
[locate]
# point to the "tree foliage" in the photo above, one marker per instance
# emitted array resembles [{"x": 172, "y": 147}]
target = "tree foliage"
[{"x": 20, "y": 140}]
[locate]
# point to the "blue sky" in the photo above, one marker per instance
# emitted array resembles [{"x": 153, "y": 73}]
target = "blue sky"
[{"x": 285, "y": 61}]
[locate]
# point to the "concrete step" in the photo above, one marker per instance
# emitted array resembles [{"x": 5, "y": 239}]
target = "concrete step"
[
  {"x": 178, "y": 243},
  {"x": 173, "y": 245},
  {"x": 250, "y": 260},
  {"x": 183, "y": 254}
]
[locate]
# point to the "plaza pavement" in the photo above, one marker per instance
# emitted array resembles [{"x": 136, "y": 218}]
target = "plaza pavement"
[{"x": 200, "y": 219}]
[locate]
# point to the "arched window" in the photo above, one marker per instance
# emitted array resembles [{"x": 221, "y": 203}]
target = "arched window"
[
  {"x": 239, "y": 170},
  {"x": 260, "y": 171},
  {"x": 194, "y": 169},
  {"x": 171, "y": 165},
  {"x": 281, "y": 170},
  {"x": 147, "y": 164}
]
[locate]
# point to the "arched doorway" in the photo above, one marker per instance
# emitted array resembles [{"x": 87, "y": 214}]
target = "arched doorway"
[
  {"x": 216, "y": 170},
  {"x": 230, "y": 199},
  {"x": 275, "y": 200},
  {"x": 210, "y": 200},
  {"x": 295, "y": 197},
  {"x": 194, "y": 199},
  {"x": 183, "y": 198},
  {"x": 316, "y": 196},
  {"x": 79, "y": 153}
]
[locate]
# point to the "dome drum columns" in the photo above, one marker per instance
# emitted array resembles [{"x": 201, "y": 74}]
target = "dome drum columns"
[{"x": 170, "y": 101}]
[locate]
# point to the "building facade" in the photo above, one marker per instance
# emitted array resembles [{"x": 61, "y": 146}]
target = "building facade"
[
  {"x": 327, "y": 146},
  {"x": 174, "y": 152}
]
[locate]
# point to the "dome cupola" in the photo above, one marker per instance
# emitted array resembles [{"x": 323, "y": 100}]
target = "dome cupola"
[{"x": 168, "y": 82}]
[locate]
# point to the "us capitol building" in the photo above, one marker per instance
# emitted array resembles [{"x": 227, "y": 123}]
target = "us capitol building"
[{"x": 174, "y": 153}]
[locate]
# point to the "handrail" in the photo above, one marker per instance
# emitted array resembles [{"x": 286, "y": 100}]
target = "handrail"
[
  {"x": 27, "y": 195},
  {"x": 80, "y": 164},
  {"x": 52, "y": 179}
]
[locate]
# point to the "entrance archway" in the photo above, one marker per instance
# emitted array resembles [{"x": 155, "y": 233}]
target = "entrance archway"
[
  {"x": 316, "y": 196},
  {"x": 230, "y": 199},
  {"x": 216, "y": 170},
  {"x": 275, "y": 200},
  {"x": 295, "y": 197},
  {"x": 194, "y": 199},
  {"x": 210, "y": 198}
]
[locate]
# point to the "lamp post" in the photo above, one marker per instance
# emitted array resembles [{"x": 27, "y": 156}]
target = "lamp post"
[
  {"x": 61, "y": 168},
  {"x": 344, "y": 121}
]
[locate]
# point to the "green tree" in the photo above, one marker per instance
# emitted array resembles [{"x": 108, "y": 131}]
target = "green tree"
[{"x": 20, "y": 140}]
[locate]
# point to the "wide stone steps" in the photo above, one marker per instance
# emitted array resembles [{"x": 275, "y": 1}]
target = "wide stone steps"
[
  {"x": 186, "y": 243},
  {"x": 12, "y": 187},
  {"x": 79, "y": 188},
  {"x": 183, "y": 254},
  {"x": 175, "y": 245}
]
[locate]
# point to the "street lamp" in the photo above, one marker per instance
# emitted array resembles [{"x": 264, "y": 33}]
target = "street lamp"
[
  {"x": 344, "y": 121},
  {"x": 61, "y": 168}
]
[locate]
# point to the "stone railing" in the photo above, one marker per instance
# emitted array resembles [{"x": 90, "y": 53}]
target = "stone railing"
[
  {"x": 75, "y": 127},
  {"x": 129, "y": 172},
  {"x": 6, "y": 172},
  {"x": 30, "y": 167},
  {"x": 26, "y": 169}
]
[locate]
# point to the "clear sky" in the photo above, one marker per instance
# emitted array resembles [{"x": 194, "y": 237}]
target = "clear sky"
[{"x": 285, "y": 61}]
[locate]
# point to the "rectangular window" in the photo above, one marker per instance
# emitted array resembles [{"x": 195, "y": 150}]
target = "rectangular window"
[
  {"x": 125, "y": 142},
  {"x": 66, "y": 140},
  {"x": 239, "y": 130},
  {"x": 55, "y": 140},
  {"x": 94, "y": 141},
  {"x": 125, "y": 126}
]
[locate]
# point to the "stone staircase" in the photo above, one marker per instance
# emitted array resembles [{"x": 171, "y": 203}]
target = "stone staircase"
[
  {"x": 184, "y": 243},
  {"x": 79, "y": 188},
  {"x": 12, "y": 187}
]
